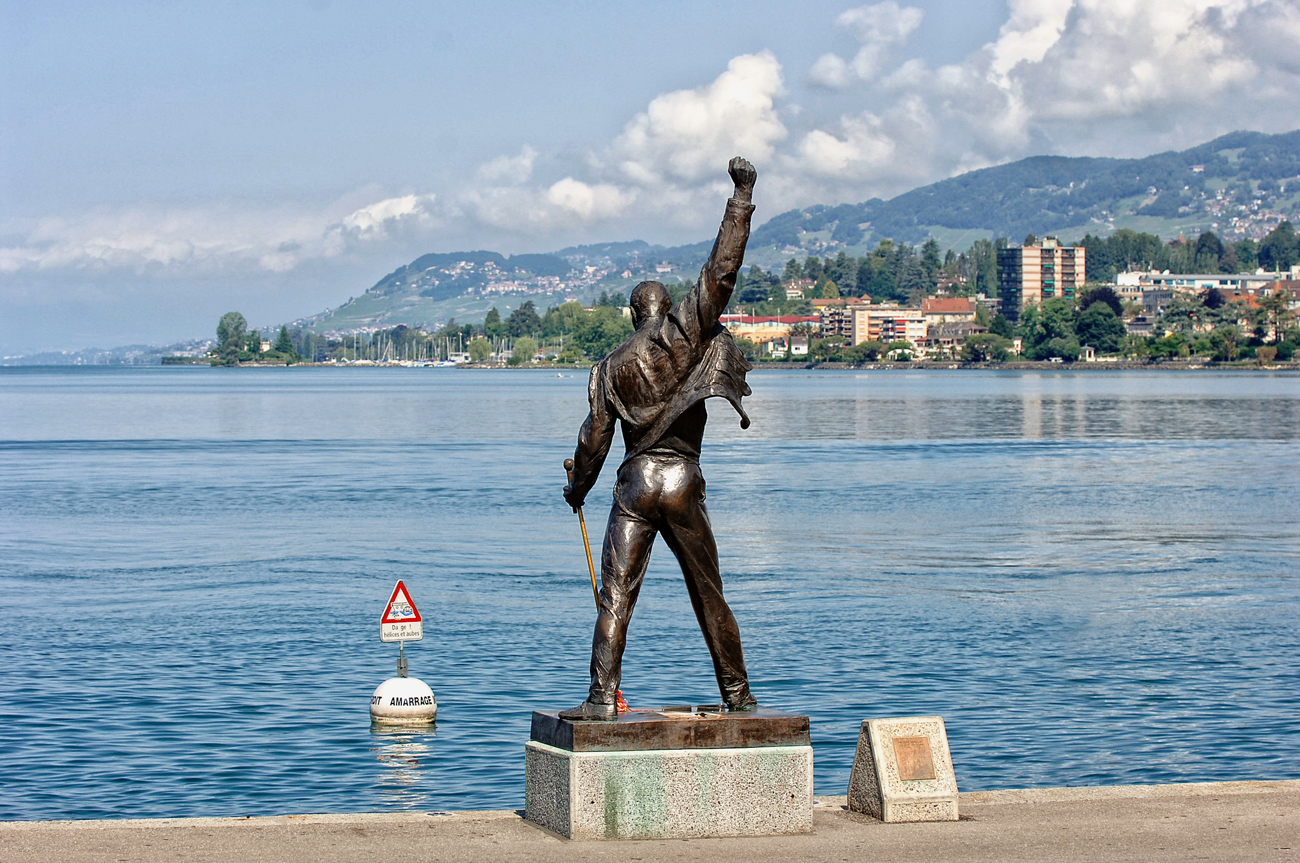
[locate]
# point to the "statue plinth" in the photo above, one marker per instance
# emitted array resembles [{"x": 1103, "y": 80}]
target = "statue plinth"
[{"x": 670, "y": 775}]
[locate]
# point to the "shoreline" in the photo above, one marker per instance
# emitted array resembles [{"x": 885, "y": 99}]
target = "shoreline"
[
  {"x": 919, "y": 365},
  {"x": 1241, "y": 820}
]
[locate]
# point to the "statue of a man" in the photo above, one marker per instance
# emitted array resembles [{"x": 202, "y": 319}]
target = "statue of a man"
[{"x": 655, "y": 384}]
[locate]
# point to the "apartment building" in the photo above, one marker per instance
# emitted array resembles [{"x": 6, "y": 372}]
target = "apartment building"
[
  {"x": 1027, "y": 275},
  {"x": 887, "y": 323}
]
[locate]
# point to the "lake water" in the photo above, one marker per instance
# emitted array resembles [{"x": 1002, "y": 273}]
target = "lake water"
[{"x": 1094, "y": 577}]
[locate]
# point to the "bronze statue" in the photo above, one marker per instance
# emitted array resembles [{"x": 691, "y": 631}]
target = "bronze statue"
[{"x": 655, "y": 384}]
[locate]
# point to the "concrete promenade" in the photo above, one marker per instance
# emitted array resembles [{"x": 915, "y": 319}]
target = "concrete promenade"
[{"x": 1222, "y": 821}]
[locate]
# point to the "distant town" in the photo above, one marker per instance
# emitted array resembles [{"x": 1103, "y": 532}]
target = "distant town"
[{"x": 1037, "y": 300}]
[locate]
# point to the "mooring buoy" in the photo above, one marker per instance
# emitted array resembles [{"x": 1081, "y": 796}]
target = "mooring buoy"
[{"x": 403, "y": 699}]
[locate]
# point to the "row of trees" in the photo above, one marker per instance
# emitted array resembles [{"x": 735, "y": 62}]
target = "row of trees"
[
  {"x": 568, "y": 333},
  {"x": 1127, "y": 250},
  {"x": 892, "y": 272},
  {"x": 235, "y": 344}
]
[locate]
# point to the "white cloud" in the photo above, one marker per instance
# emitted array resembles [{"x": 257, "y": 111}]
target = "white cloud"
[
  {"x": 830, "y": 71},
  {"x": 510, "y": 169},
  {"x": 223, "y": 236},
  {"x": 380, "y": 217},
  {"x": 587, "y": 202},
  {"x": 686, "y": 135},
  {"x": 1065, "y": 76},
  {"x": 879, "y": 29}
]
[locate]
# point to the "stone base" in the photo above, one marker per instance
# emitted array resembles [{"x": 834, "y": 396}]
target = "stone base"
[
  {"x": 669, "y": 793},
  {"x": 903, "y": 771}
]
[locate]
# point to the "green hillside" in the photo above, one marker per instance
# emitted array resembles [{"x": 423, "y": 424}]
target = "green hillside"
[
  {"x": 1238, "y": 186},
  {"x": 1232, "y": 186}
]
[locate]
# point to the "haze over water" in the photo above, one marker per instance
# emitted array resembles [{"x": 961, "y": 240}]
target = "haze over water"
[{"x": 1092, "y": 576}]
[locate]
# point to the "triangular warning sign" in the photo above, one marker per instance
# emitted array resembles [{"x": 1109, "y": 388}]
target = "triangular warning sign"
[{"x": 400, "y": 608}]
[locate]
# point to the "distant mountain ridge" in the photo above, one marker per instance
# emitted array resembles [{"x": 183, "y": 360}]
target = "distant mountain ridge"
[
  {"x": 1229, "y": 185},
  {"x": 1240, "y": 184}
]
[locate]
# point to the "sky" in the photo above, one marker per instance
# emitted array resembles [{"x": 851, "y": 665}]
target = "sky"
[{"x": 164, "y": 163}]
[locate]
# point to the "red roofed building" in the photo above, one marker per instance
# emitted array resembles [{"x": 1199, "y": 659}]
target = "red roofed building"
[{"x": 947, "y": 310}]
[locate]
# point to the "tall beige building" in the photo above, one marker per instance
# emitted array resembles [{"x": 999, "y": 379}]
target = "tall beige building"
[{"x": 1030, "y": 274}]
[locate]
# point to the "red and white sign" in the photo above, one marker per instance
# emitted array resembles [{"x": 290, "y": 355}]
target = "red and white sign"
[{"x": 401, "y": 620}]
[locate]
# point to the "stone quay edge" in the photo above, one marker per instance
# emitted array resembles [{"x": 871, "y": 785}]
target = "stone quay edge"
[{"x": 1221, "y": 821}]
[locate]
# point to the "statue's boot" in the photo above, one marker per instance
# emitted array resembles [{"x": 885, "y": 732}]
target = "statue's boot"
[
  {"x": 743, "y": 704},
  {"x": 588, "y": 711}
]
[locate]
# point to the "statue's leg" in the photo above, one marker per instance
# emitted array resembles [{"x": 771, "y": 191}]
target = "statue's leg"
[
  {"x": 687, "y": 531},
  {"x": 623, "y": 561}
]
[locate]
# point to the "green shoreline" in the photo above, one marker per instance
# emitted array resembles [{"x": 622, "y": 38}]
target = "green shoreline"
[{"x": 927, "y": 365}]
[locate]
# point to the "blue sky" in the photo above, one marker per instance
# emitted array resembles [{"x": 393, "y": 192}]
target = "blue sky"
[{"x": 161, "y": 163}]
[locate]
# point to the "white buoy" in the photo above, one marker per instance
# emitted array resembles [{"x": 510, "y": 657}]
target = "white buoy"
[{"x": 403, "y": 701}]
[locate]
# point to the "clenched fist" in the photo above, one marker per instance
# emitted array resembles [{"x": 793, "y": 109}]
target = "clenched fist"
[{"x": 743, "y": 175}]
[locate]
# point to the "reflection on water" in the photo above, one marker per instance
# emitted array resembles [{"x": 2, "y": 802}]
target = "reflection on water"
[{"x": 405, "y": 778}]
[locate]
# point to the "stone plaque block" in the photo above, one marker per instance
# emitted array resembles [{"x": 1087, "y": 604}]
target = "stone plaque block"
[
  {"x": 903, "y": 771},
  {"x": 669, "y": 793}
]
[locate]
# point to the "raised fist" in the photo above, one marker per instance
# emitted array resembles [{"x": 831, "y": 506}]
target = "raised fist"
[{"x": 743, "y": 175}]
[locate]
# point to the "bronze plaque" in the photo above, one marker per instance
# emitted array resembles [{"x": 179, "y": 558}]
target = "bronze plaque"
[{"x": 914, "y": 758}]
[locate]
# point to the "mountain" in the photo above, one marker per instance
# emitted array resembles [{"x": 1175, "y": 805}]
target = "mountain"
[{"x": 1238, "y": 185}]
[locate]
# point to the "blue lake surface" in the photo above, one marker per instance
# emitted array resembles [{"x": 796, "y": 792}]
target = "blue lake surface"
[{"x": 1093, "y": 576}]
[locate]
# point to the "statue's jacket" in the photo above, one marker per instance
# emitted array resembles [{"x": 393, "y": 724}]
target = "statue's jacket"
[{"x": 674, "y": 363}]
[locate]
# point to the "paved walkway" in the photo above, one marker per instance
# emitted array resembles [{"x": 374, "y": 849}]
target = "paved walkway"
[{"x": 1227, "y": 821}]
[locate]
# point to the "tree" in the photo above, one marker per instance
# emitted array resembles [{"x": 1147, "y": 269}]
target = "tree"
[
  {"x": 1209, "y": 252},
  {"x": 1101, "y": 328},
  {"x": 930, "y": 260},
  {"x": 523, "y": 321},
  {"x": 1102, "y": 294},
  {"x": 1276, "y": 308},
  {"x": 985, "y": 347},
  {"x": 1064, "y": 348},
  {"x": 830, "y": 291},
  {"x": 830, "y": 350},
  {"x": 868, "y": 350},
  {"x": 479, "y": 350},
  {"x": 1225, "y": 342},
  {"x": 283, "y": 348},
  {"x": 600, "y": 331},
  {"x": 231, "y": 333},
  {"x": 492, "y": 326},
  {"x": 900, "y": 349},
  {"x": 1247, "y": 252},
  {"x": 1171, "y": 346},
  {"x": 748, "y": 348},
  {"x": 1182, "y": 315},
  {"x": 1279, "y": 249},
  {"x": 1051, "y": 321},
  {"x": 524, "y": 350},
  {"x": 1000, "y": 326}
]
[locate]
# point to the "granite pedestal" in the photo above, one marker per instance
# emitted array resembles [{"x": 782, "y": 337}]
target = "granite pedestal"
[{"x": 670, "y": 775}]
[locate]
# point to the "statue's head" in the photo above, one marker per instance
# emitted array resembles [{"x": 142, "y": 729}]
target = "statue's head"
[{"x": 650, "y": 300}]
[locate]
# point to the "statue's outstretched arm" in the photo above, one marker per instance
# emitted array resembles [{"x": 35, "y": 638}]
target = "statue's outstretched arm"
[{"x": 699, "y": 310}]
